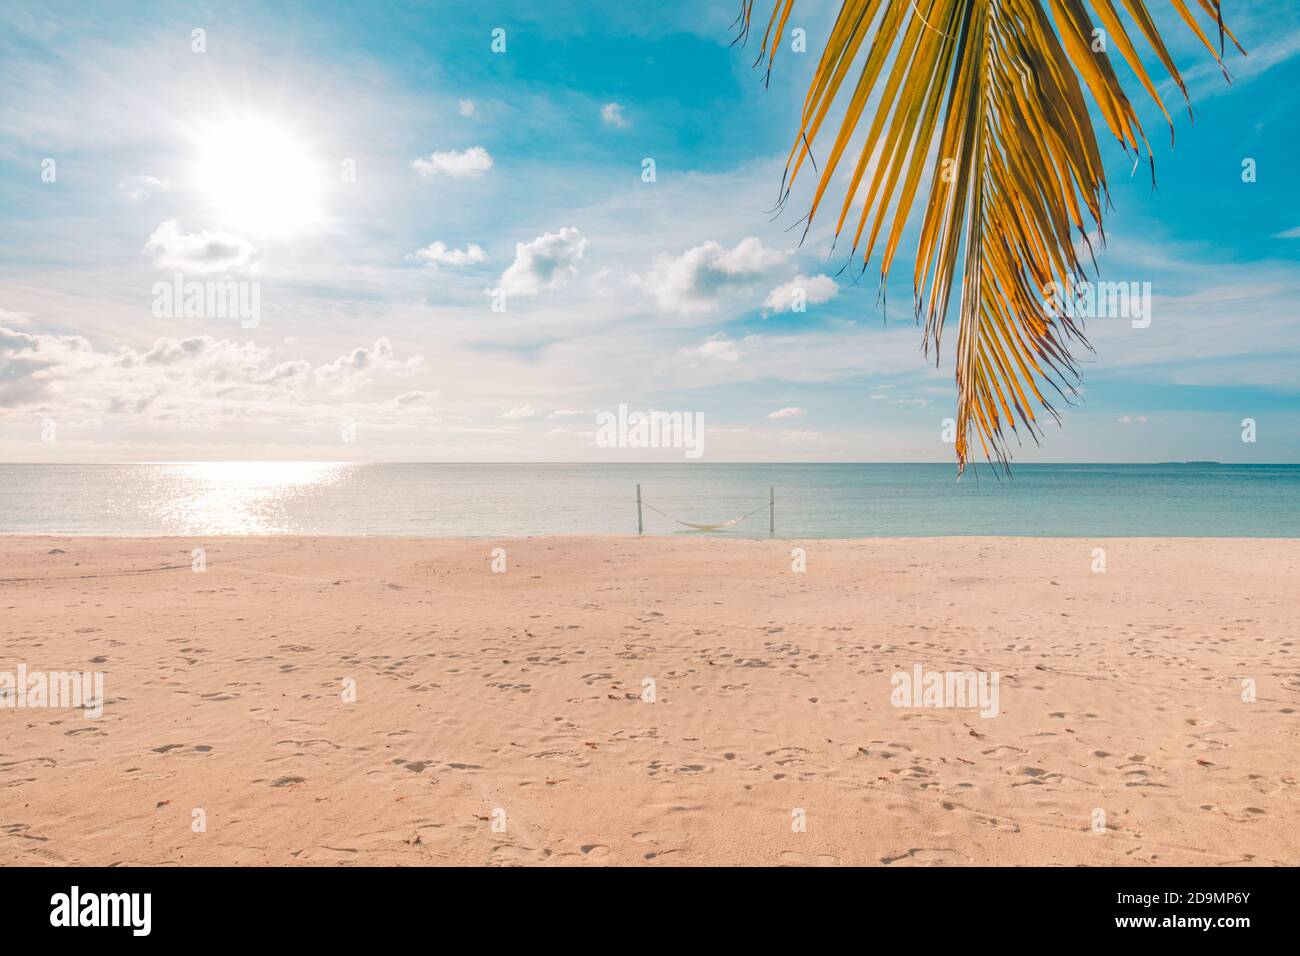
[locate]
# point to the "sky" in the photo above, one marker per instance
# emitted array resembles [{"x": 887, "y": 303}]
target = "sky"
[{"x": 438, "y": 251}]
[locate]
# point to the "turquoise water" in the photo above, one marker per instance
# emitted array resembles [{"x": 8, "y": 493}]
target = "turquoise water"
[{"x": 812, "y": 500}]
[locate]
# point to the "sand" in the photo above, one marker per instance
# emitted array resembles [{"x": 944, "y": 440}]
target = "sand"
[{"x": 500, "y": 718}]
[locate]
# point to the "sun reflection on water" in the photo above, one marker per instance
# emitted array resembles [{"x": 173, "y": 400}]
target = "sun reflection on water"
[{"x": 240, "y": 497}]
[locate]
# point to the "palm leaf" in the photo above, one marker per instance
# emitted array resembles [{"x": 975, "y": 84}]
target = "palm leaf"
[{"x": 988, "y": 95}]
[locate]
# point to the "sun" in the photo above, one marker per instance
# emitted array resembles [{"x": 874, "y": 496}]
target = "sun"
[{"x": 259, "y": 178}]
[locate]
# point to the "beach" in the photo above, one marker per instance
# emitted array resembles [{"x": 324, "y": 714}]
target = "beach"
[{"x": 607, "y": 700}]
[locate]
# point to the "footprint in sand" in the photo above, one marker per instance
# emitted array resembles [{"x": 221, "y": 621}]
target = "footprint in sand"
[
  {"x": 508, "y": 853},
  {"x": 314, "y": 743},
  {"x": 1204, "y": 742},
  {"x": 1261, "y": 784},
  {"x": 663, "y": 840},
  {"x": 1003, "y": 751},
  {"x": 1242, "y": 815},
  {"x": 926, "y": 856},
  {"x": 563, "y": 756},
  {"x": 522, "y": 688},
  {"x": 790, "y": 858},
  {"x": 325, "y": 853},
  {"x": 1037, "y": 776}
]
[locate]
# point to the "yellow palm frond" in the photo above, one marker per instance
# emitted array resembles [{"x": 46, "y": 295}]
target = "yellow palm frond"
[{"x": 988, "y": 96}]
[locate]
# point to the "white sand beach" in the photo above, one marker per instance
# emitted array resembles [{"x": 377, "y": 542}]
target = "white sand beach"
[{"x": 503, "y": 717}]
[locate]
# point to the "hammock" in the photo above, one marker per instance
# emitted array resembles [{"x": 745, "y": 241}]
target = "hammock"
[
  {"x": 709, "y": 527},
  {"x": 712, "y": 526}
]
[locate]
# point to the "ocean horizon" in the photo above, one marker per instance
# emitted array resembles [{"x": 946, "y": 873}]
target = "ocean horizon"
[{"x": 752, "y": 500}]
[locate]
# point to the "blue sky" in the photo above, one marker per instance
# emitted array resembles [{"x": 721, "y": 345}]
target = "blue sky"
[{"x": 521, "y": 172}]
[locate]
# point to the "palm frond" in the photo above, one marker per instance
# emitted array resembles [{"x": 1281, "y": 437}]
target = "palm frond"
[{"x": 988, "y": 97}]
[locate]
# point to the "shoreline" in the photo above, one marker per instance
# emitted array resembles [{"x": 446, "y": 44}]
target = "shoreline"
[{"x": 523, "y": 691}]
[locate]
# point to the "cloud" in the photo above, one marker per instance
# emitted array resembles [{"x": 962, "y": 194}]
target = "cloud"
[
  {"x": 815, "y": 290},
  {"x": 521, "y": 411},
  {"x": 791, "y": 412},
  {"x": 693, "y": 281},
  {"x": 717, "y": 347},
  {"x": 544, "y": 264},
  {"x": 466, "y": 108},
  {"x": 204, "y": 253},
  {"x": 470, "y": 164},
  {"x": 136, "y": 188},
  {"x": 27, "y": 361},
  {"x": 574, "y": 413},
  {"x": 798, "y": 436},
  {"x": 350, "y": 372},
  {"x": 611, "y": 114},
  {"x": 1132, "y": 419},
  {"x": 437, "y": 253},
  {"x": 1292, "y": 233},
  {"x": 883, "y": 393},
  {"x": 192, "y": 384},
  {"x": 1205, "y": 79}
]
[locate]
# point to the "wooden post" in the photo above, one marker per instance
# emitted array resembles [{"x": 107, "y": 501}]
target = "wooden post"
[
  {"x": 640, "y": 528},
  {"x": 771, "y": 510}
]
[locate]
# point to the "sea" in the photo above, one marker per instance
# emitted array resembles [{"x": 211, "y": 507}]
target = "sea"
[{"x": 728, "y": 500}]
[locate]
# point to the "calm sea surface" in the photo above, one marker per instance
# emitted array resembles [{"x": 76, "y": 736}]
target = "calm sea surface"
[{"x": 812, "y": 500}]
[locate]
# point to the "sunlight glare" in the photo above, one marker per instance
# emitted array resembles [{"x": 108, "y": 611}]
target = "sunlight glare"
[{"x": 259, "y": 178}]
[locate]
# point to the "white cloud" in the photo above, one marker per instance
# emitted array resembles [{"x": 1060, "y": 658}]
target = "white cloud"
[
  {"x": 750, "y": 257},
  {"x": 469, "y": 164},
  {"x": 466, "y": 108},
  {"x": 573, "y": 413},
  {"x": 791, "y": 412},
  {"x": 521, "y": 411},
  {"x": 1292, "y": 233},
  {"x": 136, "y": 188},
  {"x": 1132, "y": 419},
  {"x": 717, "y": 347},
  {"x": 544, "y": 264},
  {"x": 350, "y": 372},
  {"x": 611, "y": 114},
  {"x": 437, "y": 253},
  {"x": 1205, "y": 79},
  {"x": 815, "y": 290},
  {"x": 204, "y": 253},
  {"x": 198, "y": 382},
  {"x": 693, "y": 281}
]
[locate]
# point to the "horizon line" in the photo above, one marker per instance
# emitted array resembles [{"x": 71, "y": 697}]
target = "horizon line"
[{"x": 685, "y": 463}]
